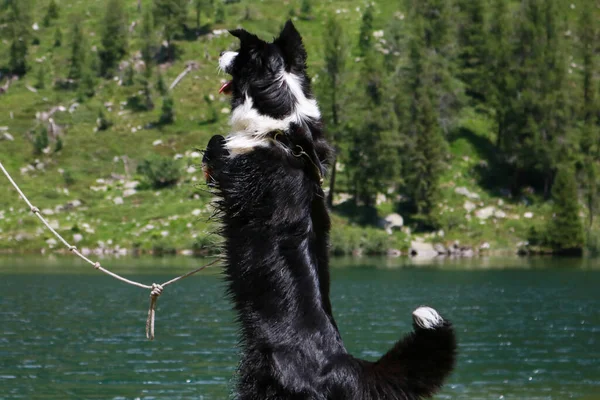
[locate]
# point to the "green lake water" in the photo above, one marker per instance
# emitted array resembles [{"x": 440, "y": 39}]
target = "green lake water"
[{"x": 528, "y": 328}]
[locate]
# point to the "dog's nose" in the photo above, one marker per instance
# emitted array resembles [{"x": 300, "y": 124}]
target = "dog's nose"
[{"x": 221, "y": 55}]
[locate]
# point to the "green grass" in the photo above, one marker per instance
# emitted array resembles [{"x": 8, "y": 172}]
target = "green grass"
[{"x": 164, "y": 219}]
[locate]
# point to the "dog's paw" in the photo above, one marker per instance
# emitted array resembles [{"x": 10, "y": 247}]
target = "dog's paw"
[
  {"x": 427, "y": 318},
  {"x": 213, "y": 159}
]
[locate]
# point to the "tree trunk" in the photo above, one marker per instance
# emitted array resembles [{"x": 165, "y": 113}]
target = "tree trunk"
[{"x": 332, "y": 182}]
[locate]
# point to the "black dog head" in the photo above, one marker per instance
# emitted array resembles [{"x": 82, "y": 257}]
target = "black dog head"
[
  {"x": 272, "y": 104},
  {"x": 272, "y": 76}
]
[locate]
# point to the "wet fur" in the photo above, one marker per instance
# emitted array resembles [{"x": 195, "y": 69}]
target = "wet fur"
[{"x": 276, "y": 229}]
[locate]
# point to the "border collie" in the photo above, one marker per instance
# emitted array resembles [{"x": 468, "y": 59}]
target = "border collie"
[{"x": 267, "y": 174}]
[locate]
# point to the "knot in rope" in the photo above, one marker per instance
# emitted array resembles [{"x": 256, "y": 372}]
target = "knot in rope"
[
  {"x": 155, "y": 292},
  {"x": 34, "y": 209}
]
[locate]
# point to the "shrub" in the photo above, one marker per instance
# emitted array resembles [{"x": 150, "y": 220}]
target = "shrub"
[
  {"x": 220, "y": 14},
  {"x": 159, "y": 172},
  {"x": 167, "y": 115},
  {"x": 59, "y": 145},
  {"x": 345, "y": 239},
  {"x": 40, "y": 141},
  {"x": 68, "y": 177},
  {"x": 103, "y": 122},
  {"x": 206, "y": 244}
]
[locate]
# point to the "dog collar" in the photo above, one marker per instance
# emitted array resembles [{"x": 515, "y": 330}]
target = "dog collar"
[{"x": 297, "y": 151}]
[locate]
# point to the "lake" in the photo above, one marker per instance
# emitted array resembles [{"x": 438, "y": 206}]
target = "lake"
[{"x": 527, "y": 328}]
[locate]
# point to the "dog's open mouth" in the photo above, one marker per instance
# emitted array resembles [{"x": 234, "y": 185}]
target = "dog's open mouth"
[{"x": 226, "y": 88}]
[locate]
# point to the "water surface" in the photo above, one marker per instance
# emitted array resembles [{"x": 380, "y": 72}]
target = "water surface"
[{"x": 528, "y": 328}]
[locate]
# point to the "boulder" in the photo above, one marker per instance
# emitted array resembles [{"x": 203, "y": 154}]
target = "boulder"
[
  {"x": 394, "y": 253},
  {"x": 469, "y": 206},
  {"x": 392, "y": 221},
  {"x": 485, "y": 213},
  {"x": 465, "y": 192},
  {"x": 422, "y": 250},
  {"x": 440, "y": 249}
]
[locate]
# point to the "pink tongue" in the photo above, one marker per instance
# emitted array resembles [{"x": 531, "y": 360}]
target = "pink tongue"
[{"x": 225, "y": 87}]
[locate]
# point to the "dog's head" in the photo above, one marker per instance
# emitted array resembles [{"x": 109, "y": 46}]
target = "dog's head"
[{"x": 270, "y": 89}]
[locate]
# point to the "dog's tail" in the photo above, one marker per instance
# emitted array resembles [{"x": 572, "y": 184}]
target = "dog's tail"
[
  {"x": 419, "y": 363},
  {"x": 414, "y": 368}
]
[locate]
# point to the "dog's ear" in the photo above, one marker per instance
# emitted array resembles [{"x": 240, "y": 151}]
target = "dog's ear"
[
  {"x": 291, "y": 46},
  {"x": 247, "y": 38}
]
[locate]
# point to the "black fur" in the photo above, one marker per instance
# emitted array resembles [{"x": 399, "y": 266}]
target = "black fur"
[{"x": 276, "y": 229}]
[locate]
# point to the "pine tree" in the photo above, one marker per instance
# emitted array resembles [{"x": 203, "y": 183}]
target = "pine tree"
[
  {"x": 565, "y": 231},
  {"x": 57, "y": 37},
  {"x": 41, "y": 77},
  {"x": 501, "y": 67},
  {"x": 427, "y": 161},
  {"x": 114, "y": 37},
  {"x": 538, "y": 121},
  {"x": 148, "y": 42},
  {"x": 161, "y": 86},
  {"x": 220, "y": 13},
  {"x": 589, "y": 35},
  {"x": 51, "y": 14},
  {"x": 19, "y": 18},
  {"x": 167, "y": 115},
  {"x": 373, "y": 163},
  {"x": 171, "y": 16},
  {"x": 366, "y": 31},
  {"x": 40, "y": 141},
  {"x": 473, "y": 48},
  {"x": 426, "y": 148},
  {"x": 77, "y": 58},
  {"x": 202, "y": 6},
  {"x": 331, "y": 89},
  {"x": 148, "y": 50},
  {"x": 306, "y": 10}
]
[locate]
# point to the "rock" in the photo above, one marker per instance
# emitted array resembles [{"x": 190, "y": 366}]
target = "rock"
[
  {"x": 499, "y": 214},
  {"x": 485, "y": 213},
  {"x": 35, "y": 26},
  {"x": 164, "y": 233},
  {"x": 225, "y": 110},
  {"x": 392, "y": 221},
  {"x": 440, "y": 249},
  {"x": 8, "y": 136},
  {"x": 157, "y": 142},
  {"x": 468, "y": 252},
  {"x": 196, "y": 212},
  {"x": 51, "y": 242},
  {"x": 528, "y": 215},
  {"x": 48, "y": 211},
  {"x": 178, "y": 156},
  {"x": 77, "y": 237},
  {"x": 195, "y": 154},
  {"x": 129, "y": 192},
  {"x": 485, "y": 246},
  {"x": 422, "y": 250},
  {"x": 118, "y": 201},
  {"x": 74, "y": 204},
  {"x": 469, "y": 206},
  {"x": 394, "y": 253},
  {"x": 131, "y": 185},
  {"x": 191, "y": 170},
  {"x": 465, "y": 192}
]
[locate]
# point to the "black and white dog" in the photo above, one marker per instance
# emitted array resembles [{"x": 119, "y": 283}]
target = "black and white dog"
[{"x": 267, "y": 173}]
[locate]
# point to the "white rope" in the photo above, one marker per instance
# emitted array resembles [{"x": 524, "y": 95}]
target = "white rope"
[{"x": 155, "y": 289}]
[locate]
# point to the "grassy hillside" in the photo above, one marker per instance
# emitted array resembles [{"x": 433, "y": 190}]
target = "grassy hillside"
[{"x": 85, "y": 188}]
